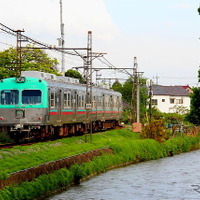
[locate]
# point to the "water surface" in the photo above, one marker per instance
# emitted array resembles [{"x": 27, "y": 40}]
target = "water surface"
[{"x": 172, "y": 178}]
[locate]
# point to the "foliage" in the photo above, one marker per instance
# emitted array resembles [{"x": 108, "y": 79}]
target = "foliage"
[
  {"x": 4, "y": 137},
  {"x": 181, "y": 144},
  {"x": 143, "y": 103},
  {"x": 199, "y": 69},
  {"x": 32, "y": 59},
  {"x": 74, "y": 74},
  {"x": 180, "y": 109},
  {"x": 172, "y": 118},
  {"x": 127, "y": 116},
  {"x": 155, "y": 130},
  {"x": 117, "y": 86},
  {"x": 168, "y": 118},
  {"x": 127, "y": 89},
  {"x": 194, "y": 114}
]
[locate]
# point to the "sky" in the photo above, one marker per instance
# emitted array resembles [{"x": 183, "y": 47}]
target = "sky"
[{"x": 162, "y": 34}]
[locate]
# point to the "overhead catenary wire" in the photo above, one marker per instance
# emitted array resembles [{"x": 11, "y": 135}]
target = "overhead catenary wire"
[{"x": 41, "y": 45}]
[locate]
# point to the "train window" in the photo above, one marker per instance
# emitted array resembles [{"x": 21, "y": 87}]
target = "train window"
[
  {"x": 111, "y": 101},
  {"x": 94, "y": 102},
  {"x": 67, "y": 100},
  {"x": 119, "y": 102},
  {"x": 97, "y": 101},
  {"x": 107, "y": 102},
  {"x": 115, "y": 101},
  {"x": 83, "y": 101},
  {"x": 9, "y": 97},
  {"x": 31, "y": 97},
  {"x": 100, "y": 101},
  {"x": 53, "y": 100},
  {"x": 78, "y": 101}
]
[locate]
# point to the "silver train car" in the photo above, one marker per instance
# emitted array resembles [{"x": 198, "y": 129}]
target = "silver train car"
[{"x": 40, "y": 105}]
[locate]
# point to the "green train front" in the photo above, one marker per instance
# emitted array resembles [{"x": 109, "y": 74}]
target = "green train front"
[{"x": 23, "y": 106}]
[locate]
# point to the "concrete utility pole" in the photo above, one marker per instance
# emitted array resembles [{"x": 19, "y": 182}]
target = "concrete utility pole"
[
  {"x": 19, "y": 52},
  {"x": 136, "y": 98},
  {"x": 149, "y": 84},
  {"x": 88, "y": 78},
  {"x": 136, "y": 92},
  {"x": 62, "y": 40}
]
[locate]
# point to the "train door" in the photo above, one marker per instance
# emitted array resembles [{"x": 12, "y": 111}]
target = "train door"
[
  {"x": 103, "y": 106},
  {"x": 111, "y": 106},
  {"x": 52, "y": 106},
  {"x": 118, "y": 105},
  {"x": 94, "y": 108},
  {"x": 74, "y": 104},
  {"x": 59, "y": 105}
]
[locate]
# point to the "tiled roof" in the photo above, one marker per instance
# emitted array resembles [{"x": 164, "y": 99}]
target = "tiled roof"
[{"x": 169, "y": 90}]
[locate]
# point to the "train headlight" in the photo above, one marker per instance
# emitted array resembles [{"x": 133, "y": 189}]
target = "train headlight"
[{"x": 20, "y": 79}]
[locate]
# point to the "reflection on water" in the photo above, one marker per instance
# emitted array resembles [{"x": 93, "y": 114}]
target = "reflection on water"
[{"x": 173, "y": 178}]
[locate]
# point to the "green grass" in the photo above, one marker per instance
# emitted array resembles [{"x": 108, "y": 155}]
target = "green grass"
[
  {"x": 23, "y": 157},
  {"x": 127, "y": 147}
]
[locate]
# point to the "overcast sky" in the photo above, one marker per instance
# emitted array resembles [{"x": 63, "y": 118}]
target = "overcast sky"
[{"x": 162, "y": 34}]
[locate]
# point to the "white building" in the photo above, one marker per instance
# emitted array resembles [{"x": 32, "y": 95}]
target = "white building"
[{"x": 171, "y": 99}]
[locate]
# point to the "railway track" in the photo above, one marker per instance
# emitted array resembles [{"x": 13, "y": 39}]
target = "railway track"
[
  {"x": 7, "y": 145},
  {"x": 24, "y": 143},
  {"x": 28, "y": 143},
  {"x": 11, "y": 145}
]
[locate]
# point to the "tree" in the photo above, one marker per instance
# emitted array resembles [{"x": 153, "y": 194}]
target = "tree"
[
  {"x": 194, "y": 114},
  {"x": 32, "y": 59},
  {"x": 126, "y": 89},
  {"x": 117, "y": 86},
  {"x": 179, "y": 109},
  {"x": 199, "y": 75},
  {"x": 74, "y": 74}
]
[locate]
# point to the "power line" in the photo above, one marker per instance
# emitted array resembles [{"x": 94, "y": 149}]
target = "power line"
[
  {"x": 5, "y": 43},
  {"x": 169, "y": 77}
]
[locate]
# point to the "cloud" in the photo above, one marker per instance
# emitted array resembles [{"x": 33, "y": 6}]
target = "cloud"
[
  {"x": 89, "y": 15},
  {"x": 41, "y": 18},
  {"x": 183, "y": 5}
]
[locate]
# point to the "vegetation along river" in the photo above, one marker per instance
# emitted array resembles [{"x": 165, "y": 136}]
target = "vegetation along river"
[{"x": 172, "y": 178}]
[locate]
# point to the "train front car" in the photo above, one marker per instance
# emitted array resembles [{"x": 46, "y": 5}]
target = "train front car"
[{"x": 23, "y": 106}]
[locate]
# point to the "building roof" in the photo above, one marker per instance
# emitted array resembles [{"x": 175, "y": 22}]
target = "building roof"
[{"x": 169, "y": 90}]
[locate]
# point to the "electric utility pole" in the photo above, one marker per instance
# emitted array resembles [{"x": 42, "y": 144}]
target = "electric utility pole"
[
  {"x": 19, "y": 52},
  {"x": 88, "y": 78},
  {"x": 136, "y": 97},
  {"x": 136, "y": 92},
  {"x": 62, "y": 40}
]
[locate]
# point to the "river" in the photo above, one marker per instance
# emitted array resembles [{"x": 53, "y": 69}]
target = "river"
[{"x": 172, "y": 178}]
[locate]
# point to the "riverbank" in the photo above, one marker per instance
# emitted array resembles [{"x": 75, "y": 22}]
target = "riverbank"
[{"x": 127, "y": 147}]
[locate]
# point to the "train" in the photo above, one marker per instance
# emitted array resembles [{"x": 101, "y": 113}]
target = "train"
[{"x": 43, "y": 105}]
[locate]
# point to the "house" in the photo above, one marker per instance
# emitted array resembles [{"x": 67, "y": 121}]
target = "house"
[{"x": 171, "y": 99}]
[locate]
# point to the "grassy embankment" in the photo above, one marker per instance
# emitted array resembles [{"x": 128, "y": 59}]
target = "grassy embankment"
[{"x": 127, "y": 147}]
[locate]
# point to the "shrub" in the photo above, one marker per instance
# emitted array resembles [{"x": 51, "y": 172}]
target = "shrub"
[{"x": 154, "y": 130}]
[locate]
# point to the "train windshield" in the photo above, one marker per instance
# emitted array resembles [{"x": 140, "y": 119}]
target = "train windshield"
[
  {"x": 9, "y": 97},
  {"x": 31, "y": 97}
]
